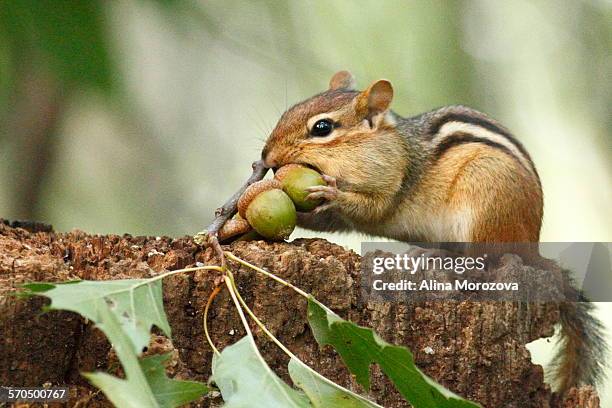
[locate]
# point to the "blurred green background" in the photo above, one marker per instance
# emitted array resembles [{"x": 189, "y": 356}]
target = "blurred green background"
[{"x": 143, "y": 116}]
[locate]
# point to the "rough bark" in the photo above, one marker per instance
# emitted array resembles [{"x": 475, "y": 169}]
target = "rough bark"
[{"x": 478, "y": 348}]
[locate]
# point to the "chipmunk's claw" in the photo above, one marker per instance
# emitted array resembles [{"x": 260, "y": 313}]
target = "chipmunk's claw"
[
  {"x": 329, "y": 193},
  {"x": 331, "y": 181},
  {"x": 318, "y": 192}
]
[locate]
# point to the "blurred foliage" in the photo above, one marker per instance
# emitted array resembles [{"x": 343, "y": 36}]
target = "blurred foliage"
[
  {"x": 51, "y": 51},
  {"x": 66, "y": 37}
]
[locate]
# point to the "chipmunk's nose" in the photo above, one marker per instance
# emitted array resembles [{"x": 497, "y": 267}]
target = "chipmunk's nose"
[
  {"x": 268, "y": 158},
  {"x": 270, "y": 164}
]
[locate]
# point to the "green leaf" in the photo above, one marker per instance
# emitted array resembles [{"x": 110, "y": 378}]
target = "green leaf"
[
  {"x": 138, "y": 304},
  {"x": 169, "y": 392},
  {"x": 322, "y": 392},
  {"x": 245, "y": 380},
  {"x": 359, "y": 347},
  {"x": 37, "y": 287},
  {"x": 146, "y": 383}
]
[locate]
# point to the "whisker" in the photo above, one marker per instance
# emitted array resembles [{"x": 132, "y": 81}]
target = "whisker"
[
  {"x": 259, "y": 122},
  {"x": 286, "y": 103},
  {"x": 277, "y": 108}
]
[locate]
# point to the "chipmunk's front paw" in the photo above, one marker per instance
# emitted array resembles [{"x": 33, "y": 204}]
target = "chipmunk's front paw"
[{"x": 329, "y": 193}]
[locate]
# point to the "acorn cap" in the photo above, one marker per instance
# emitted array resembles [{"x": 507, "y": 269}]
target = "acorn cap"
[
  {"x": 253, "y": 191},
  {"x": 233, "y": 227}
]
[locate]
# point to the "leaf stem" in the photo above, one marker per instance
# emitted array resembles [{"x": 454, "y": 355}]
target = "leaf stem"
[
  {"x": 165, "y": 275},
  {"x": 169, "y": 273},
  {"x": 266, "y": 273},
  {"x": 258, "y": 322},
  {"x": 230, "y": 287},
  {"x": 214, "y": 293},
  {"x": 276, "y": 278},
  {"x": 235, "y": 293},
  {"x": 229, "y": 282}
]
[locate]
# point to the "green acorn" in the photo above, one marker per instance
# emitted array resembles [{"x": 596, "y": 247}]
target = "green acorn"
[
  {"x": 268, "y": 209},
  {"x": 295, "y": 179}
]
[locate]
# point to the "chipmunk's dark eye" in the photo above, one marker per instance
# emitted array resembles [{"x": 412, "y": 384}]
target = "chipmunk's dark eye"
[{"x": 322, "y": 127}]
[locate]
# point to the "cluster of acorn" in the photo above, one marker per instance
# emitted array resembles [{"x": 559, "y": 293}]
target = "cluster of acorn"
[{"x": 270, "y": 206}]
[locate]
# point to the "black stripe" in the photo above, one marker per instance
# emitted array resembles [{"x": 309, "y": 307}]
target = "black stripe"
[
  {"x": 486, "y": 124},
  {"x": 474, "y": 120},
  {"x": 459, "y": 138},
  {"x": 458, "y": 117}
]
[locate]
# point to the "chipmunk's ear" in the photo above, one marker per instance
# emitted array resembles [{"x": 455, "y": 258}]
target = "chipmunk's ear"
[
  {"x": 374, "y": 100},
  {"x": 342, "y": 80}
]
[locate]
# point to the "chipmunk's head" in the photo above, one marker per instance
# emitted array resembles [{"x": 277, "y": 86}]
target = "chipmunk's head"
[{"x": 330, "y": 127}]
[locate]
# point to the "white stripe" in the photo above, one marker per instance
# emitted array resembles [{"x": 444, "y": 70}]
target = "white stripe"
[{"x": 449, "y": 128}]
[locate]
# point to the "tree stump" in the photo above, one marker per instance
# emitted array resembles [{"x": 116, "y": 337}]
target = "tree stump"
[{"x": 476, "y": 349}]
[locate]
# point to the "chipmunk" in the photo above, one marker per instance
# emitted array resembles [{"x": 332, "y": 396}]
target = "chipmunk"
[{"x": 449, "y": 175}]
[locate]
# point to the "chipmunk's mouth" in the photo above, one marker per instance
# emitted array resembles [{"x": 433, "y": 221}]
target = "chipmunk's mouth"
[
  {"x": 274, "y": 169},
  {"x": 315, "y": 168}
]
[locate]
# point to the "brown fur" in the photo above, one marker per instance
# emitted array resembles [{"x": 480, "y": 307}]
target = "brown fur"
[
  {"x": 358, "y": 157},
  {"x": 291, "y": 128},
  {"x": 393, "y": 182},
  {"x": 505, "y": 198}
]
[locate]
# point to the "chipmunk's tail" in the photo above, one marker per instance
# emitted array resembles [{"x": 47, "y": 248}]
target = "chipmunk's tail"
[{"x": 582, "y": 354}]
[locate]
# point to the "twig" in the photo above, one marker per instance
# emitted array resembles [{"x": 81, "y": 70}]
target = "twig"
[
  {"x": 228, "y": 209},
  {"x": 210, "y": 236}
]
